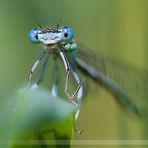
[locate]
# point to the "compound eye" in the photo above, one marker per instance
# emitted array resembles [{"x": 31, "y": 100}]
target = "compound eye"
[
  {"x": 33, "y": 35},
  {"x": 67, "y": 34}
]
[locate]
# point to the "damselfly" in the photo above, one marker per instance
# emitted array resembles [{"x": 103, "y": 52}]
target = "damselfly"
[{"x": 113, "y": 76}]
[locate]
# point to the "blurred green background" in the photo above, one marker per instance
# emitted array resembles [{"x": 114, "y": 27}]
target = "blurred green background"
[{"x": 118, "y": 28}]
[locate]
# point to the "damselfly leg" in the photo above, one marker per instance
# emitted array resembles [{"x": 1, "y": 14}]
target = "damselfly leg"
[
  {"x": 56, "y": 75},
  {"x": 79, "y": 94},
  {"x": 74, "y": 72},
  {"x": 68, "y": 68},
  {"x": 41, "y": 74},
  {"x": 34, "y": 66},
  {"x": 78, "y": 102}
]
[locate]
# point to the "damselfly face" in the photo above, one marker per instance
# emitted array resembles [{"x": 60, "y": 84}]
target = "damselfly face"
[{"x": 51, "y": 37}]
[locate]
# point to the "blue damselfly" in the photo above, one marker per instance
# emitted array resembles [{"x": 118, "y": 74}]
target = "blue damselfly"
[{"x": 121, "y": 80}]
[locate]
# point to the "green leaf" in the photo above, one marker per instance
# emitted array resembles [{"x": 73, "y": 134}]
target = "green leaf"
[{"x": 41, "y": 119}]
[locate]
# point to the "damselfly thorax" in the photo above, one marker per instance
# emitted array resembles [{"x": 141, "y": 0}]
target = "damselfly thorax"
[{"x": 52, "y": 48}]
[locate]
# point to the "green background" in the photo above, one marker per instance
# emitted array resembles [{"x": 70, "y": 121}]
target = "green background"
[{"x": 118, "y": 28}]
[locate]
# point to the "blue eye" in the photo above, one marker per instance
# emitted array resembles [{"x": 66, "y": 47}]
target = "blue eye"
[
  {"x": 33, "y": 35},
  {"x": 67, "y": 34}
]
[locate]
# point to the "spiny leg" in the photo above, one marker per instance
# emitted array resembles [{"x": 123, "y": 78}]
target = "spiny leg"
[
  {"x": 41, "y": 74},
  {"x": 68, "y": 67},
  {"x": 76, "y": 77},
  {"x": 78, "y": 92},
  {"x": 34, "y": 66},
  {"x": 54, "y": 90},
  {"x": 79, "y": 98},
  {"x": 74, "y": 72}
]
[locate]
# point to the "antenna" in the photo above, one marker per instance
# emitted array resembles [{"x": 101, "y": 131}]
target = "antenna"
[{"x": 59, "y": 22}]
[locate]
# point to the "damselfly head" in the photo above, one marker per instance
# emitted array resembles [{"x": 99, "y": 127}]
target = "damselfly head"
[{"x": 51, "y": 36}]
